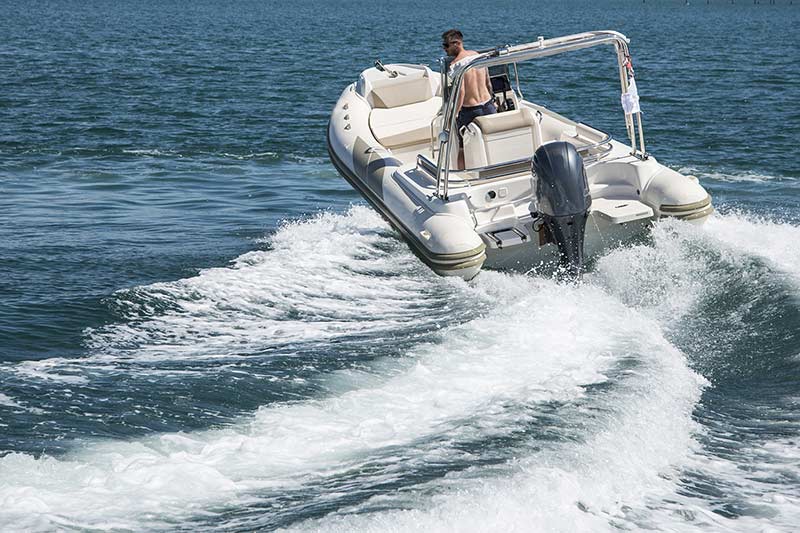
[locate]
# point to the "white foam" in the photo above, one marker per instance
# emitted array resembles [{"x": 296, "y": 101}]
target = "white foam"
[
  {"x": 668, "y": 277},
  {"x": 543, "y": 342},
  {"x": 628, "y": 475},
  {"x": 54, "y": 369},
  {"x": 537, "y": 342},
  {"x": 777, "y": 242},
  {"x": 665, "y": 281},
  {"x": 746, "y": 176},
  {"x": 7, "y": 401},
  {"x": 315, "y": 283},
  {"x": 331, "y": 276},
  {"x": 253, "y": 155},
  {"x": 606, "y": 480},
  {"x": 759, "y": 482},
  {"x": 149, "y": 151}
]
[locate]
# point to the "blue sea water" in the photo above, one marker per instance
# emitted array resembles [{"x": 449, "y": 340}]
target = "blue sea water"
[{"x": 202, "y": 327}]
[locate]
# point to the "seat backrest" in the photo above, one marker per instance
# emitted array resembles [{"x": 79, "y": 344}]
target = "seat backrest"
[
  {"x": 412, "y": 85},
  {"x": 502, "y": 137},
  {"x": 400, "y": 93}
]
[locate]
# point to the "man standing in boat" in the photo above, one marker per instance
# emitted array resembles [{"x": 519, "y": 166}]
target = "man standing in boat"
[{"x": 475, "y": 98}]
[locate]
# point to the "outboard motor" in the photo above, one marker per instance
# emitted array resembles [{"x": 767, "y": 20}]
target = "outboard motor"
[{"x": 563, "y": 199}]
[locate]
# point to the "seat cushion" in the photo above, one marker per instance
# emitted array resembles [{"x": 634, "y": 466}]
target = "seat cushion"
[
  {"x": 404, "y": 125},
  {"x": 501, "y": 138},
  {"x": 400, "y": 91},
  {"x": 510, "y": 120}
]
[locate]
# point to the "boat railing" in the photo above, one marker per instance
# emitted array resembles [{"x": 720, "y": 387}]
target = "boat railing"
[{"x": 605, "y": 147}]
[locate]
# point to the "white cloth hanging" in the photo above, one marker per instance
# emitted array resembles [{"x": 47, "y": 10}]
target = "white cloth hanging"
[{"x": 630, "y": 99}]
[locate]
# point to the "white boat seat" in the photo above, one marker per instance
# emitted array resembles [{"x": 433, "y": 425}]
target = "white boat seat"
[
  {"x": 404, "y": 125},
  {"x": 501, "y": 137},
  {"x": 411, "y": 87},
  {"x": 396, "y": 94}
]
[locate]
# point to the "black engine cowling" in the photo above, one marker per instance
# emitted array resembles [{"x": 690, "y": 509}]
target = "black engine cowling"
[{"x": 563, "y": 199}]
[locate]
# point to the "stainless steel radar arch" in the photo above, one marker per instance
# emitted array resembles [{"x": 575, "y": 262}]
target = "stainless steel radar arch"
[{"x": 525, "y": 52}]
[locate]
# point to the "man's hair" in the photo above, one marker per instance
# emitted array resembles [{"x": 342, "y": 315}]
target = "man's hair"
[{"x": 452, "y": 35}]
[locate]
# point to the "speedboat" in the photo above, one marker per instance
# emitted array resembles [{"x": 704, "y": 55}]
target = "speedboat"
[{"x": 537, "y": 187}]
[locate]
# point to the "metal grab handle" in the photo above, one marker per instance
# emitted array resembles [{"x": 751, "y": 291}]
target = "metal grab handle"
[
  {"x": 390, "y": 72},
  {"x": 433, "y": 133}
]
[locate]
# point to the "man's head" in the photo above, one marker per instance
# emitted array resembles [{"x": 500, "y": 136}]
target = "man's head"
[{"x": 452, "y": 42}]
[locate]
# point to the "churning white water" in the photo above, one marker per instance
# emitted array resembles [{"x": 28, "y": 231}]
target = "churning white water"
[{"x": 497, "y": 354}]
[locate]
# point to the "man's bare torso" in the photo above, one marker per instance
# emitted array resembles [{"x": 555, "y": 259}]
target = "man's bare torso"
[{"x": 475, "y": 87}]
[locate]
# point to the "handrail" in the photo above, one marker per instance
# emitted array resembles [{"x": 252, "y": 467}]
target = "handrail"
[
  {"x": 592, "y": 158},
  {"x": 605, "y": 140},
  {"x": 513, "y": 54}
]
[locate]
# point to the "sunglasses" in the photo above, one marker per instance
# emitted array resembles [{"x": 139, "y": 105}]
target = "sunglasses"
[{"x": 448, "y": 45}]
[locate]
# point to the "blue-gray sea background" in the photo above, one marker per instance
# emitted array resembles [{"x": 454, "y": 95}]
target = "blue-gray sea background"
[{"x": 203, "y": 327}]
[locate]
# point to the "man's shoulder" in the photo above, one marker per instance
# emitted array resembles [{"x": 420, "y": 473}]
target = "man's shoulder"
[{"x": 468, "y": 56}]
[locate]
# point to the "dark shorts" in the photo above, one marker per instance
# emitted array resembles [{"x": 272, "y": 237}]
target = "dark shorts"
[{"x": 467, "y": 114}]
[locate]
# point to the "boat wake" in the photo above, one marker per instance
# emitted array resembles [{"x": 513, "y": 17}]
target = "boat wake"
[
  {"x": 734, "y": 176},
  {"x": 372, "y": 395}
]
